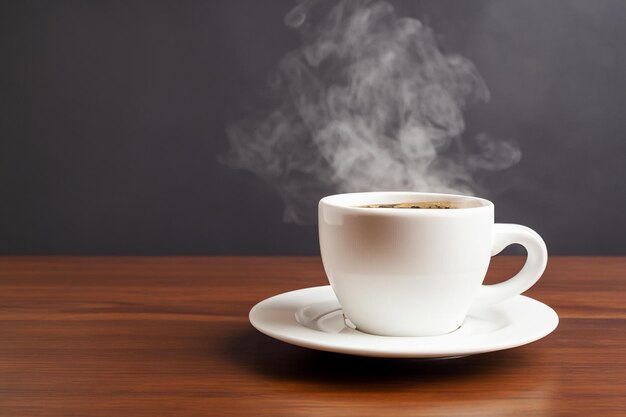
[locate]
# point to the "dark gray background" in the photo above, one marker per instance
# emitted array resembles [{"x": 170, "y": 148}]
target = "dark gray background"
[{"x": 112, "y": 114}]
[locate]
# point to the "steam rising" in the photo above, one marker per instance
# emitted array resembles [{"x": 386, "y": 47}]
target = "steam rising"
[{"x": 368, "y": 102}]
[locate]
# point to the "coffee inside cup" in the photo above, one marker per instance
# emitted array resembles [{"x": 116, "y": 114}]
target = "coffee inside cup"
[{"x": 415, "y": 205}]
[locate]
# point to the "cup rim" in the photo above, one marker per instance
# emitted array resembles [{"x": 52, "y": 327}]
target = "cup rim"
[{"x": 332, "y": 200}]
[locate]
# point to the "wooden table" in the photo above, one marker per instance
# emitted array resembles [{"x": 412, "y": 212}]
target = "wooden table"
[{"x": 170, "y": 337}]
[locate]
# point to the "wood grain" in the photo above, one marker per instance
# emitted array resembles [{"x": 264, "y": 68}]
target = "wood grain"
[{"x": 127, "y": 336}]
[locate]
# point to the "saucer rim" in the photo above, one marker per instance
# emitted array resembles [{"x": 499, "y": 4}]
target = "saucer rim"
[{"x": 327, "y": 342}]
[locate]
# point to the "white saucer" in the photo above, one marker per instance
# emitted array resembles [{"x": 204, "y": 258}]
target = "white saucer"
[{"x": 312, "y": 318}]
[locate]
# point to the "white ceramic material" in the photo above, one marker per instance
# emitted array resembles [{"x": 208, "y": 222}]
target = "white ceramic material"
[
  {"x": 417, "y": 272},
  {"x": 312, "y": 318}
]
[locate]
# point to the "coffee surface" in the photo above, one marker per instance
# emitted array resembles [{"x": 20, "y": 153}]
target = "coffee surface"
[{"x": 416, "y": 205}]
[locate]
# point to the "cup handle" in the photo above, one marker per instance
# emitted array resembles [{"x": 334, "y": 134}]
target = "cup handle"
[{"x": 503, "y": 236}]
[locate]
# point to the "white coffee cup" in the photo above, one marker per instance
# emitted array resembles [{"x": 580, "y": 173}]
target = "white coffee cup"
[{"x": 417, "y": 272}]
